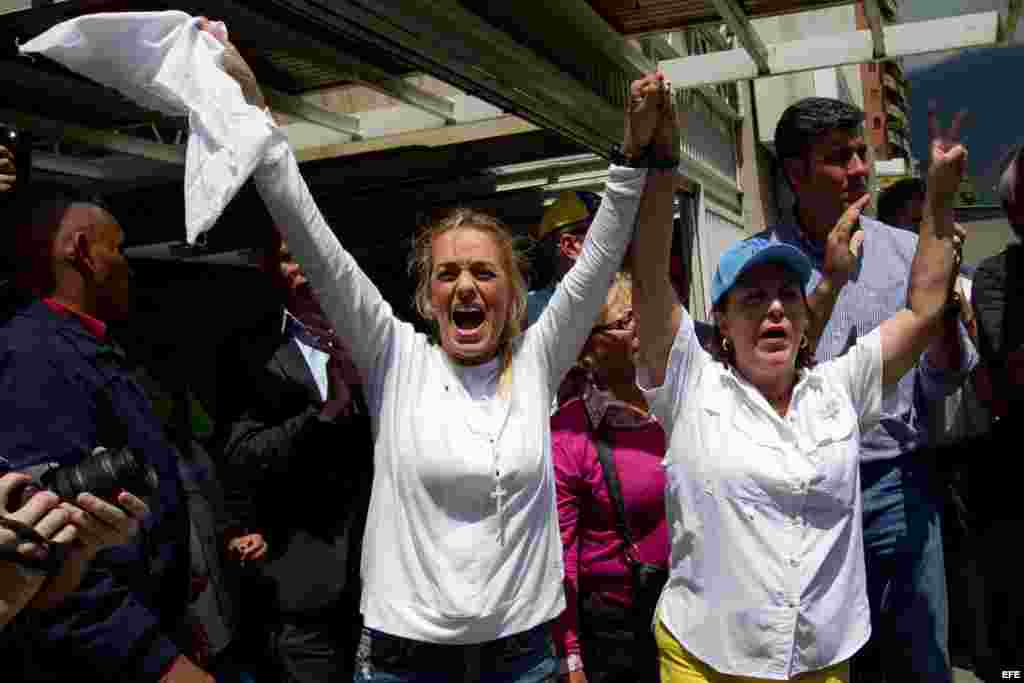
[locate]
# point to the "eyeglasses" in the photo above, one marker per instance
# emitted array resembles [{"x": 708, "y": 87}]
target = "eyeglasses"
[{"x": 626, "y": 322}]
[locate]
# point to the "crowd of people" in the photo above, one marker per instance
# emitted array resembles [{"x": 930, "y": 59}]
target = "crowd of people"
[{"x": 577, "y": 482}]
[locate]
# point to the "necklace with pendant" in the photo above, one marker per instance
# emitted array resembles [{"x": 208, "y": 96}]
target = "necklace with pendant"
[{"x": 493, "y": 438}]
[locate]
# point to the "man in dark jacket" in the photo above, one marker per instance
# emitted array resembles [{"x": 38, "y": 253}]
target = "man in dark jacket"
[
  {"x": 299, "y": 445},
  {"x": 994, "y": 491},
  {"x": 66, "y": 388}
]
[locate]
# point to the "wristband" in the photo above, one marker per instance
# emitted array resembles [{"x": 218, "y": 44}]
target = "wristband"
[
  {"x": 619, "y": 158},
  {"x": 952, "y": 308}
]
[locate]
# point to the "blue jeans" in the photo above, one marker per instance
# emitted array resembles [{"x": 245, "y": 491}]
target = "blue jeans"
[
  {"x": 905, "y": 572},
  {"x": 527, "y": 657}
]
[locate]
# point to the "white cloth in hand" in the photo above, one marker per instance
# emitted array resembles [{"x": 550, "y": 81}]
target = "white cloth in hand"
[{"x": 164, "y": 62}]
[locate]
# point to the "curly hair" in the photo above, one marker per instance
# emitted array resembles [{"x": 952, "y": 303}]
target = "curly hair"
[{"x": 513, "y": 261}]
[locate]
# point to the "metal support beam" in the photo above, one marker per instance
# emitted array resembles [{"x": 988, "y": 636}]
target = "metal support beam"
[
  {"x": 1008, "y": 27},
  {"x": 901, "y": 40},
  {"x": 117, "y": 142},
  {"x": 663, "y": 50},
  {"x": 406, "y": 92},
  {"x": 734, "y": 17},
  {"x": 114, "y": 169},
  {"x": 874, "y": 17},
  {"x": 285, "y": 37},
  {"x": 300, "y": 108},
  {"x": 430, "y": 137},
  {"x": 485, "y": 62}
]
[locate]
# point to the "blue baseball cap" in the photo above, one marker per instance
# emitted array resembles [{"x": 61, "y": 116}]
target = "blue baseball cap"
[{"x": 745, "y": 254}]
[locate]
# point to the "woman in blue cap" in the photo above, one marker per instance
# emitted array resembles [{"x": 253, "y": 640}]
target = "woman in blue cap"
[{"x": 767, "y": 578}]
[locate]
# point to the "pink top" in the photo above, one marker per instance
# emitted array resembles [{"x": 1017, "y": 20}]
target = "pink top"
[{"x": 594, "y": 561}]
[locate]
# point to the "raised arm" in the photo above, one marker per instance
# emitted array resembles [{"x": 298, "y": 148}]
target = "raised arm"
[
  {"x": 906, "y": 335},
  {"x": 658, "y": 310},
  {"x": 354, "y": 306},
  {"x": 563, "y": 328},
  {"x": 841, "y": 252}
]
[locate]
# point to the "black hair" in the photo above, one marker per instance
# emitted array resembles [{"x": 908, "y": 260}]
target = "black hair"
[
  {"x": 37, "y": 219},
  {"x": 805, "y": 121},
  {"x": 894, "y": 198},
  {"x": 1004, "y": 163}
]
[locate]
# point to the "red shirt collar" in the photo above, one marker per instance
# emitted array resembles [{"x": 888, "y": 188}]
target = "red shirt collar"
[{"x": 97, "y": 328}]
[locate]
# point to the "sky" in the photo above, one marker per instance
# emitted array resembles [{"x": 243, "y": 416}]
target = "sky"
[{"x": 968, "y": 79}]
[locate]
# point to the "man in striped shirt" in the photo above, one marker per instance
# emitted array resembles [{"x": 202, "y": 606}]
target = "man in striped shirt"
[{"x": 820, "y": 145}]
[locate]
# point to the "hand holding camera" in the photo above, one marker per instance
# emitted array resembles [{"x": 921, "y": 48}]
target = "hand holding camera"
[
  {"x": 8, "y": 169},
  {"x": 25, "y": 535},
  {"x": 54, "y": 520}
]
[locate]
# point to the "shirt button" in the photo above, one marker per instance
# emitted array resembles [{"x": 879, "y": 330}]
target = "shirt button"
[{"x": 793, "y": 562}]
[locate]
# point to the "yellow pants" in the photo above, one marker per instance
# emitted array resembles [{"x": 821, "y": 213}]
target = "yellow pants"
[{"x": 679, "y": 666}]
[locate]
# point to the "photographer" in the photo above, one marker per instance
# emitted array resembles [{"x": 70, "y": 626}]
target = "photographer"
[
  {"x": 69, "y": 388},
  {"x": 83, "y": 530}
]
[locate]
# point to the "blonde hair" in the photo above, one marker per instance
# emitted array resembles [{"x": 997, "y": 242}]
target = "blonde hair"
[
  {"x": 513, "y": 262},
  {"x": 620, "y": 293}
]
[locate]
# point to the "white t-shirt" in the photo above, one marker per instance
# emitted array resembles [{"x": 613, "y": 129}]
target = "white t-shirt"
[
  {"x": 767, "y": 561},
  {"x": 448, "y": 555}
]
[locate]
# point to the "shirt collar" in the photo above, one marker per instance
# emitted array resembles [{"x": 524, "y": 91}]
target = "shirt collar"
[
  {"x": 601, "y": 405},
  {"x": 94, "y": 326},
  {"x": 807, "y": 378},
  {"x": 293, "y": 328},
  {"x": 795, "y": 234}
]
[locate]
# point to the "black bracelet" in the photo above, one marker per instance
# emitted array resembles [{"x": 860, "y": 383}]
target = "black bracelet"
[
  {"x": 952, "y": 307},
  {"x": 619, "y": 158},
  {"x": 663, "y": 163},
  {"x": 646, "y": 159}
]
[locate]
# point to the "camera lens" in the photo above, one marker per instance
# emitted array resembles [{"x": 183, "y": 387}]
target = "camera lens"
[{"x": 104, "y": 474}]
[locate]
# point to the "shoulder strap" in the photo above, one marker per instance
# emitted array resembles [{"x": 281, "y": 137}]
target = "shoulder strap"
[{"x": 611, "y": 478}]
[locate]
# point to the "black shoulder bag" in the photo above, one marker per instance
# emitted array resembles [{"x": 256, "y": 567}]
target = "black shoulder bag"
[{"x": 601, "y": 620}]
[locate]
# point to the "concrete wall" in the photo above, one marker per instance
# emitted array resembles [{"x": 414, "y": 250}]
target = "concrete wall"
[{"x": 987, "y": 236}]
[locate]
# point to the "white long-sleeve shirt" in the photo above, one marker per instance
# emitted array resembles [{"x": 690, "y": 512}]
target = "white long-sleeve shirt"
[{"x": 448, "y": 557}]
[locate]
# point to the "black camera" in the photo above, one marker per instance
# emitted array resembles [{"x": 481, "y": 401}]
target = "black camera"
[{"x": 104, "y": 474}]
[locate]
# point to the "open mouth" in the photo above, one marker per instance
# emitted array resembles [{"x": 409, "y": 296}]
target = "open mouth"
[
  {"x": 774, "y": 338},
  {"x": 467, "y": 318}
]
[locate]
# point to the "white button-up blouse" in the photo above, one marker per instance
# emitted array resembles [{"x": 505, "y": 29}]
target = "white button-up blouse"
[{"x": 767, "y": 564}]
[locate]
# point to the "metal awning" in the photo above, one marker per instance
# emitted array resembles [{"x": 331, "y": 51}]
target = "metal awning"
[
  {"x": 87, "y": 132},
  {"x": 754, "y": 58}
]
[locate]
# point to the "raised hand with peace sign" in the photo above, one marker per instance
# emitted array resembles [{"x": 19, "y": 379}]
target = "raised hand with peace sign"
[{"x": 948, "y": 157}]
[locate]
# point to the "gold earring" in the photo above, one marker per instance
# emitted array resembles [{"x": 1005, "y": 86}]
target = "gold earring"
[
  {"x": 805, "y": 343},
  {"x": 725, "y": 344}
]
